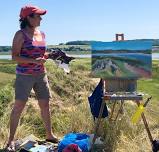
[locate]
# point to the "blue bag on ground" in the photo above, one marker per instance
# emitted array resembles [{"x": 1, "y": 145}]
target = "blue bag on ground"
[
  {"x": 95, "y": 101},
  {"x": 82, "y": 140}
]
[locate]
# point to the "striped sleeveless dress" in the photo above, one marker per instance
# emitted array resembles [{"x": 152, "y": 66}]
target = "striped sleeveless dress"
[{"x": 32, "y": 48}]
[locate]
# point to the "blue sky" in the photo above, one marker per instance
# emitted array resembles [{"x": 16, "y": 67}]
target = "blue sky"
[{"x": 69, "y": 20}]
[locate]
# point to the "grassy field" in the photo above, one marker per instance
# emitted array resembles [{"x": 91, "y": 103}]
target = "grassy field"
[
  {"x": 70, "y": 110},
  {"x": 5, "y": 53}
]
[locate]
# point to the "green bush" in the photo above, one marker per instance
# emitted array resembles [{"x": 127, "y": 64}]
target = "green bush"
[
  {"x": 8, "y": 68},
  {"x": 6, "y": 96}
]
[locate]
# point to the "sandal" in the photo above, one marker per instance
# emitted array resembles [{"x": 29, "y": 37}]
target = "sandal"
[
  {"x": 53, "y": 140},
  {"x": 10, "y": 147}
]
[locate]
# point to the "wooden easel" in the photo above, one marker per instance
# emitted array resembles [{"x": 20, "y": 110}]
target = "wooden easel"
[
  {"x": 119, "y": 89},
  {"x": 115, "y": 90}
]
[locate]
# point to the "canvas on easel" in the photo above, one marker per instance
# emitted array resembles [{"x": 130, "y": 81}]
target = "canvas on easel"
[{"x": 121, "y": 63}]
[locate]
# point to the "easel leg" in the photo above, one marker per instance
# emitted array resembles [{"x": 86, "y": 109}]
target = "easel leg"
[
  {"x": 98, "y": 122},
  {"x": 121, "y": 107},
  {"x": 111, "y": 115},
  {"x": 146, "y": 125}
]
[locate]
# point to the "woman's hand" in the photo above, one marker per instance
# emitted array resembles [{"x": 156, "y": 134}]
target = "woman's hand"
[{"x": 40, "y": 60}]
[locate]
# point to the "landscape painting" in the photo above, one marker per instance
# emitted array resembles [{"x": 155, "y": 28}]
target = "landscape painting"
[{"x": 130, "y": 59}]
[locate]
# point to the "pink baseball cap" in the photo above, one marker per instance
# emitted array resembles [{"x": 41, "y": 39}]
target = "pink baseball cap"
[{"x": 29, "y": 9}]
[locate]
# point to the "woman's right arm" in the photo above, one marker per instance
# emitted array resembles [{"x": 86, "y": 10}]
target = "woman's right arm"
[{"x": 18, "y": 41}]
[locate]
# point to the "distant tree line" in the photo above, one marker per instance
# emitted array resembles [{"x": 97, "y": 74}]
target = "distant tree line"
[
  {"x": 78, "y": 43},
  {"x": 64, "y": 48},
  {"x": 77, "y": 46},
  {"x": 74, "y": 48},
  {"x": 5, "y": 48},
  {"x": 70, "y": 48}
]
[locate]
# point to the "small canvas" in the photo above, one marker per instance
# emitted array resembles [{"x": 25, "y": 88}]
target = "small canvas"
[{"x": 130, "y": 59}]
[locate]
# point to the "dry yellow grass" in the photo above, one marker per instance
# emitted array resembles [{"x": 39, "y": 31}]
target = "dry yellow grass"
[{"x": 71, "y": 113}]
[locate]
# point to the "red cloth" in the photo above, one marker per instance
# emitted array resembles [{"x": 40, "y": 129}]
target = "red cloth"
[{"x": 72, "y": 148}]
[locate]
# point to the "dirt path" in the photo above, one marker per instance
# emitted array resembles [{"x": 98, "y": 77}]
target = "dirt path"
[{"x": 138, "y": 71}]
